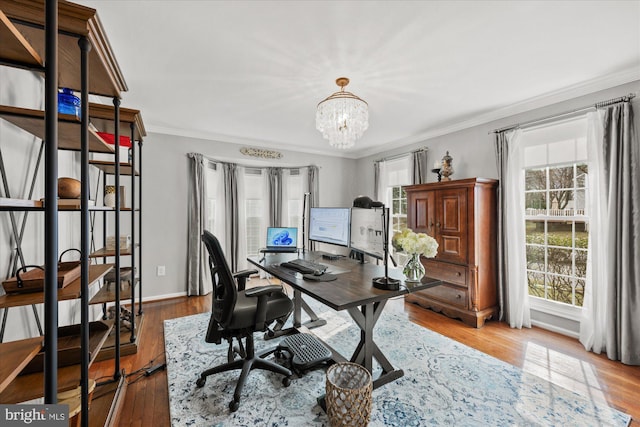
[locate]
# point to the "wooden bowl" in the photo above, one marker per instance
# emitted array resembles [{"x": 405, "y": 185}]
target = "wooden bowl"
[{"x": 68, "y": 188}]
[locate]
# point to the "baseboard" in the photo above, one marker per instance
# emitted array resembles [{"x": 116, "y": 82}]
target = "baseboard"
[
  {"x": 554, "y": 328},
  {"x": 165, "y": 296}
]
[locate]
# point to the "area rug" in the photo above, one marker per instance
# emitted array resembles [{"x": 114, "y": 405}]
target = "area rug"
[{"x": 445, "y": 383}]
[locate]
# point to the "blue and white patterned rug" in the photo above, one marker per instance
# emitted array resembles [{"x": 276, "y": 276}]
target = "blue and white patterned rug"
[{"x": 445, "y": 383}]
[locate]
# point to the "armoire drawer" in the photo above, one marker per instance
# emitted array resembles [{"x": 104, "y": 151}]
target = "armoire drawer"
[
  {"x": 451, "y": 273},
  {"x": 449, "y": 294}
]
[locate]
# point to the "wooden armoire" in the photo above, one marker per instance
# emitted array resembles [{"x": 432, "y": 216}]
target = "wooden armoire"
[{"x": 462, "y": 216}]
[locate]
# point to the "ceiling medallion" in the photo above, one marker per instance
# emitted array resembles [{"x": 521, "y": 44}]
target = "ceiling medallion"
[
  {"x": 343, "y": 117},
  {"x": 261, "y": 153}
]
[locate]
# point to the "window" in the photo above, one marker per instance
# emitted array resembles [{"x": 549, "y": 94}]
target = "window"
[
  {"x": 394, "y": 174},
  {"x": 398, "y": 211},
  {"x": 255, "y": 207},
  {"x": 556, "y": 219}
]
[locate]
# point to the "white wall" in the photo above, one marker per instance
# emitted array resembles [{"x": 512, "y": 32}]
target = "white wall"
[{"x": 165, "y": 191}]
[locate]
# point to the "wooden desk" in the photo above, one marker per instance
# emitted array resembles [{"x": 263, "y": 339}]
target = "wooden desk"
[{"x": 352, "y": 291}]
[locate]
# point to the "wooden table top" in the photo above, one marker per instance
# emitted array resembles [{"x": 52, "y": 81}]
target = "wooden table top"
[{"x": 353, "y": 286}]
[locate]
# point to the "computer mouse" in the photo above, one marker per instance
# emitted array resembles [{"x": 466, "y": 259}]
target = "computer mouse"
[{"x": 318, "y": 272}]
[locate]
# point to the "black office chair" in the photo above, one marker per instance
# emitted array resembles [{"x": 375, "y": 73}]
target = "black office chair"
[{"x": 238, "y": 313}]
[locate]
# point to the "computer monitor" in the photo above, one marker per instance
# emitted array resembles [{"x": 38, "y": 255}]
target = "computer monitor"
[
  {"x": 329, "y": 225},
  {"x": 367, "y": 235}
]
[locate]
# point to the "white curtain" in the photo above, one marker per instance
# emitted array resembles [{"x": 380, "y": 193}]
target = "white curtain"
[
  {"x": 198, "y": 275},
  {"x": 382, "y": 182},
  {"x": 594, "y": 309},
  {"x": 215, "y": 193},
  {"x": 519, "y": 314}
]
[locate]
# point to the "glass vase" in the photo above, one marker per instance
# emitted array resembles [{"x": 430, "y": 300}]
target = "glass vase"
[{"x": 413, "y": 270}]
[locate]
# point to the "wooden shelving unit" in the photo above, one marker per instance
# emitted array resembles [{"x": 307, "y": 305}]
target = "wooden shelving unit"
[
  {"x": 15, "y": 356},
  {"x": 104, "y": 252},
  {"x": 28, "y": 386},
  {"x": 17, "y": 50},
  {"x": 68, "y": 128},
  {"x": 108, "y": 294},
  {"x": 74, "y": 21},
  {"x": 22, "y": 31},
  {"x": 110, "y": 167},
  {"x": 69, "y": 292}
]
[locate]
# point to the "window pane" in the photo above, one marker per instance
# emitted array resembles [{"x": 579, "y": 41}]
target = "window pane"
[
  {"x": 581, "y": 263},
  {"x": 581, "y": 175},
  {"x": 559, "y": 289},
  {"x": 560, "y": 261},
  {"x": 560, "y": 202},
  {"x": 536, "y": 284},
  {"x": 535, "y": 179},
  {"x": 559, "y": 233},
  {"x": 579, "y": 292},
  {"x": 534, "y": 232},
  {"x": 561, "y": 177},
  {"x": 536, "y": 203},
  {"x": 579, "y": 202},
  {"x": 535, "y": 258},
  {"x": 582, "y": 235}
]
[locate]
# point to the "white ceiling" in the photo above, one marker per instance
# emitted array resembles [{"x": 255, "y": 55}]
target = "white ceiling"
[{"x": 252, "y": 72}]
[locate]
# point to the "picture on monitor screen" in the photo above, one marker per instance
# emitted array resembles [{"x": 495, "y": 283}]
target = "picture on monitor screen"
[
  {"x": 329, "y": 225},
  {"x": 367, "y": 234}
]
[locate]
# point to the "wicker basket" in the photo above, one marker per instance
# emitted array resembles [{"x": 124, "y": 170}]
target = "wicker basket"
[{"x": 348, "y": 398}]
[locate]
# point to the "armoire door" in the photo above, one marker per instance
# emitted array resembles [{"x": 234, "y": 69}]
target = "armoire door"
[
  {"x": 423, "y": 217},
  {"x": 451, "y": 225}
]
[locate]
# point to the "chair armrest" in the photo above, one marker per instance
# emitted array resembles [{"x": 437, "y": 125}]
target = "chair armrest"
[
  {"x": 262, "y": 290},
  {"x": 242, "y": 276}
]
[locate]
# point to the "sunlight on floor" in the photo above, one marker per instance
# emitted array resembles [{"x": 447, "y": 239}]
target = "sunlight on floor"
[{"x": 564, "y": 370}]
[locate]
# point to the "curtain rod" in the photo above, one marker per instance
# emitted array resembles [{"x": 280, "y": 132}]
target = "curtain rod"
[
  {"x": 211, "y": 159},
  {"x": 567, "y": 113},
  {"x": 397, "y": 156}
]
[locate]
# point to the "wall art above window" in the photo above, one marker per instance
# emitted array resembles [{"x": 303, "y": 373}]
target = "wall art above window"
[{"x": 261, "y": 152}]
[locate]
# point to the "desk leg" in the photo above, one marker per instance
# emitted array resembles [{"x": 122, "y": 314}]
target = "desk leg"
[
  {"x": 299, "y": 304},
  {"x": 297, "y": 308},
  {"x": 367, "y": 350}
]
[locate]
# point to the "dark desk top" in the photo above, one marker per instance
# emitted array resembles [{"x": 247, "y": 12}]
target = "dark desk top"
[{"x": 352, "y": 288}]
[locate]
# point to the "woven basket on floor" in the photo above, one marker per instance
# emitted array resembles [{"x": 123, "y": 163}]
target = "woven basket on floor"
[{"x": 348, "y": 397}]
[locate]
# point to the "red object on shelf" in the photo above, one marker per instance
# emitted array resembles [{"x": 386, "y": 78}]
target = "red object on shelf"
[{"x": 110, "y": 138}]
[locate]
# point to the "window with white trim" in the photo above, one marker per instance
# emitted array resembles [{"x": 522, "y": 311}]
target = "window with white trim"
[{"x": 556, "y": 218}]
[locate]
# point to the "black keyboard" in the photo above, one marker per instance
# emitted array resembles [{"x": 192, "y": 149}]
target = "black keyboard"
[{"x": 304, "y": 266}]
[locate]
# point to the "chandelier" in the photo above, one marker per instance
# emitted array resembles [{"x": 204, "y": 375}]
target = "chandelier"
[{"x": 343, "y": 117}]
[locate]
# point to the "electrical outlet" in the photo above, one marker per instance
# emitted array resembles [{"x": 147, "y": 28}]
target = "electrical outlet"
[{"x": 160, "y": 271}]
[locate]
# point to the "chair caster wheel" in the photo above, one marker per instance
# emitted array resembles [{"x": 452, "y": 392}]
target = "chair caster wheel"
[
  {"x": 200, "y": 382},
  {"x": 233, "y": 406},
  {"x": 286, "y": 381}
]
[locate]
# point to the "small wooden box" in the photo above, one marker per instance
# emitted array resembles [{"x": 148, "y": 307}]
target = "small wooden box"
[
  {"x": 70, "y": 346},
  {"x": 33, "y": 280}
]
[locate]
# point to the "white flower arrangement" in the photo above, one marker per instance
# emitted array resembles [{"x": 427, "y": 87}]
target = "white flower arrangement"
[{"x": 415, "y": 243}]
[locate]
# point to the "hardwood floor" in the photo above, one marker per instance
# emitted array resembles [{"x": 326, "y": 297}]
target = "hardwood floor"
[{"x": 549, "y": 355}]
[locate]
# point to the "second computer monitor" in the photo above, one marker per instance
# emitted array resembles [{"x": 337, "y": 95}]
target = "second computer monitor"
[
  {"x": 330, "y": 225},
  {"x": 367, "y": 235}
]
